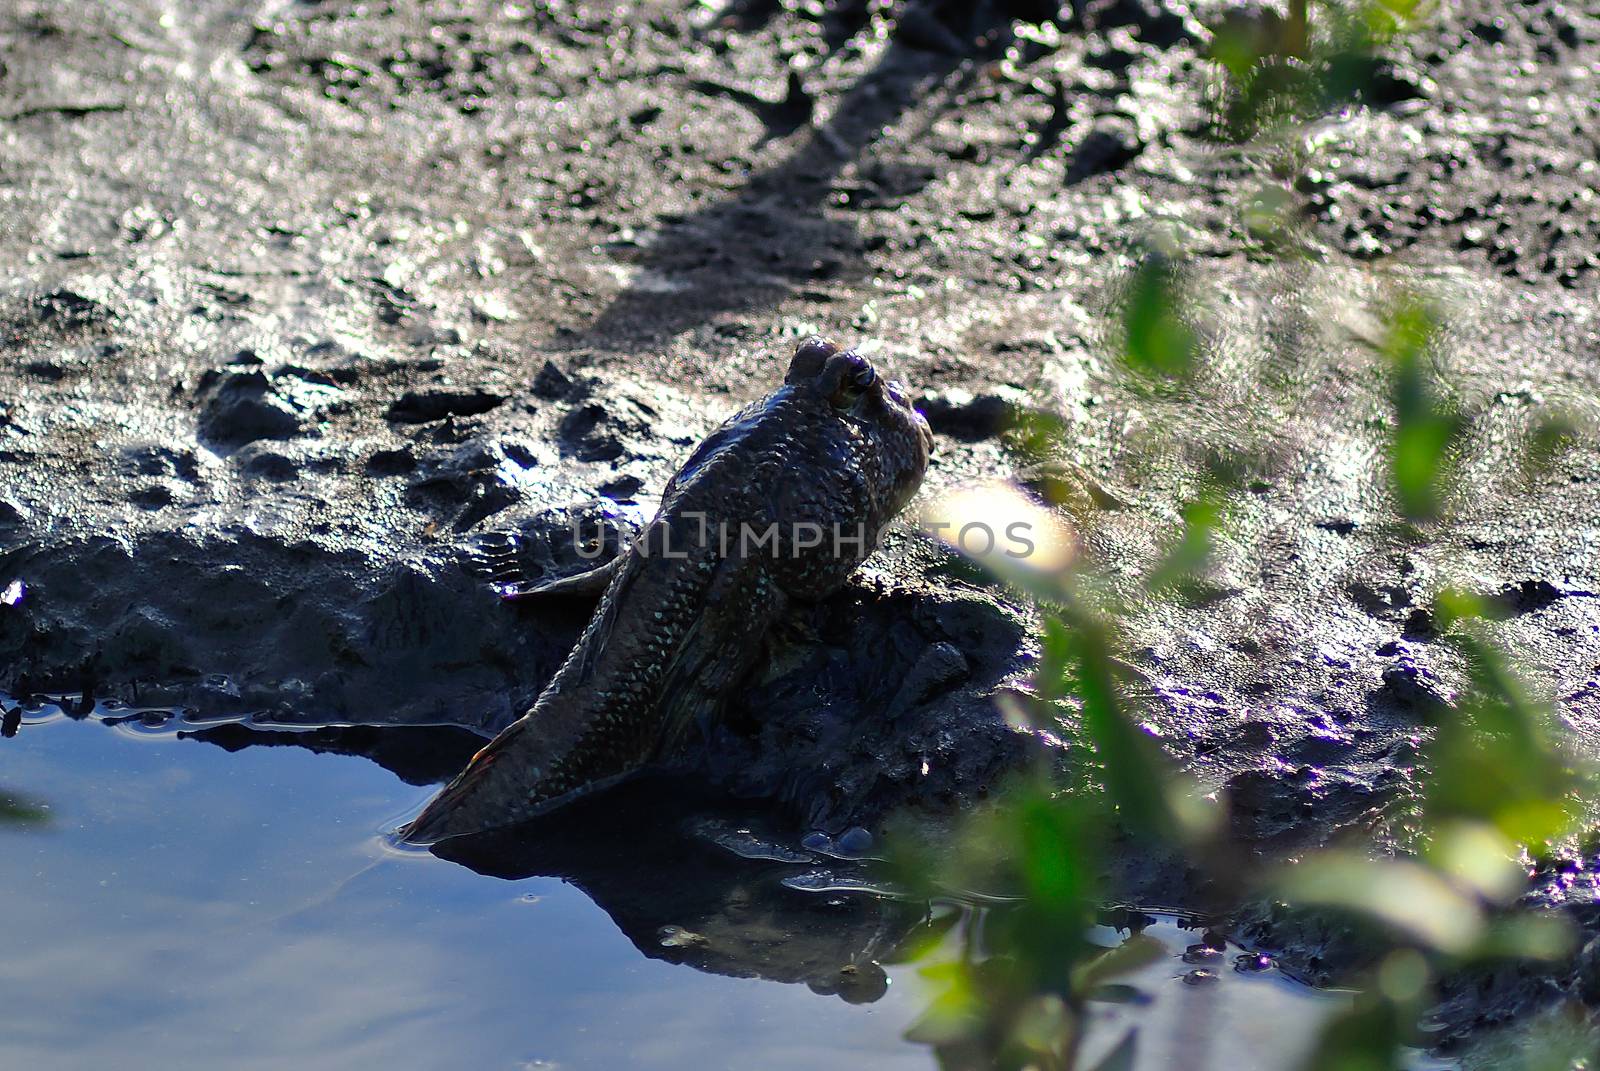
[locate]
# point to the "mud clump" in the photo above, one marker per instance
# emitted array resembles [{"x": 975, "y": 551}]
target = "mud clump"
[
  {"x": 243, "y": 406},
  {"x": 424, "y": 407}
]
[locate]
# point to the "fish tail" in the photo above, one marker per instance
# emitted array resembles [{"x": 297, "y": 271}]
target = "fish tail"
[{"x": 449, "y": 814}]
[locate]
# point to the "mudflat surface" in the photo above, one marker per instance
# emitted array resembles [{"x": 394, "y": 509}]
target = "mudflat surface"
[{"x": 305, "y": 303}]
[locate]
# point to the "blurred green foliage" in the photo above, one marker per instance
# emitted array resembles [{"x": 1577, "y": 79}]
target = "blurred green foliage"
[
  {"x": 1280, "y": 68},
  {"x": 1183, "y": 568},
  {"x": 1157, "y": 341},
  {"x": 1012, "y": 993},
  {"x": 1498, "y": 791},
  {"x": 1498, "y": 761},
  {"x": 1426, "y": 426}
]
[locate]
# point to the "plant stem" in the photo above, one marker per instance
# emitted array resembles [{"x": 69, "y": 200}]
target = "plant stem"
[{"x": 1298, "y": 35}]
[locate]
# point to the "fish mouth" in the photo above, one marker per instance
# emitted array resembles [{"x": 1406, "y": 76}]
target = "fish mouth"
[{"x": 896, "y": 391}]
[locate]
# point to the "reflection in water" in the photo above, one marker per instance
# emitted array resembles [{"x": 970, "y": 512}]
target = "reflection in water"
[
  {"x": 236, "y": 906},
  {"x": 188, "y": 907},
  {"x": 684, "y": 873},
  {"x": 664, "y": 862},
  {"x": 18, "y": 809},
  {"x": 416, "y": 754}
]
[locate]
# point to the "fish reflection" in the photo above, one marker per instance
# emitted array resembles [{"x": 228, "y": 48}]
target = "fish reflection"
[
  {"x": 695, "y": 879},
  {"x": 690, "y": 876}
]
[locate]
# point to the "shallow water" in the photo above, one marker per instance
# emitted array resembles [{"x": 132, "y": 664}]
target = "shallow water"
[{"x": 191, "y": 906}]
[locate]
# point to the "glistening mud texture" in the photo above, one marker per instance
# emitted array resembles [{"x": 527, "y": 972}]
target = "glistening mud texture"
[{"x": 302, "y": 301}]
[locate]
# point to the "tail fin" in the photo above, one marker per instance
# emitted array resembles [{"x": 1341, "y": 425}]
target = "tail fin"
[{"x": 451, "y": 813}]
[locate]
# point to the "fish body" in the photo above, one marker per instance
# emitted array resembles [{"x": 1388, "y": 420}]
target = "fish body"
[{"x": 780, "y": 503}]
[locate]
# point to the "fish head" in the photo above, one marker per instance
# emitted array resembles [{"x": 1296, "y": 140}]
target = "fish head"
[{"x": 845, "y": 386}]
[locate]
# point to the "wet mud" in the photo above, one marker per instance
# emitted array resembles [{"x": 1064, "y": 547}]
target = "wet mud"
[{"x": 322, "y": 322}]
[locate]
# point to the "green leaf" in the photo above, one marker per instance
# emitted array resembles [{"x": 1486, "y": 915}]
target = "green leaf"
[
  {"x": 951, "y": 1017},
  {"x": 923, "y": 939},
  {"x": 1426, "y": 426},
  {"x": 1043, "y": 1025},
  {"x": 1157, "y": 340},
  {"x": 1553, "y": 435},
  {"x": 1239, "y": 42},
  {"x": 1137, "y": 775},
  {"x": 1421, "y": 445},
  {"x": 1188, "y": 559},
  {"x": 1386, "y": 19},
  {"x": 1403, "y": 896},
  {"x": 1451, "y": 606},
  {"x": 1479, "y": 858},
  {"x": 1528, "y": 935},
  {"x": 1139, "y": 950},
  {"x": 1052, "y": 857},
  {"x": 1058, "y": 661},
  {"x": 1498, "y": 760},
  {"x": 1365, "y": 1037}
]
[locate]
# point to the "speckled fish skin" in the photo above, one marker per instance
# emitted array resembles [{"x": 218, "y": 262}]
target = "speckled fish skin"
[{"x": 836, "y": 447}]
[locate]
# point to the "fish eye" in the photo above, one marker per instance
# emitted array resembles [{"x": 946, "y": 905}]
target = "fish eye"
[{"x": 854, "y": 382}]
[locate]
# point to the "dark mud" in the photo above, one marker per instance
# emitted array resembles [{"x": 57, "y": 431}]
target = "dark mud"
[{"x": 315, "y": 312}]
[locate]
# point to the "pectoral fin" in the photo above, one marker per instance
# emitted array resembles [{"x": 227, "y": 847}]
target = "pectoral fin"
[
  {"x": 590, "y": 584},
  {"x": 720, "y": 648}
]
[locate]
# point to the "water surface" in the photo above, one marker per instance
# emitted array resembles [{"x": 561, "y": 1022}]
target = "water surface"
[{"x": 190, "y": 906}]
